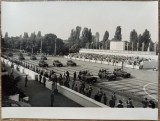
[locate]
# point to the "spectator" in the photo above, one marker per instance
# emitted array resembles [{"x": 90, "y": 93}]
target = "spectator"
[
  {"x": 12, "y": 71},
  {"x": 67, "y": 76},
  {"x": 40, "y": 78},
  {"x": 60, "y": 79},
  {"x": 114, "y": 96},
  {"x": 26, "y": 81},
  {"x": 145, "y": 103},
  {"x": 12, "y": 66},
  {"x": 66, "y": 83},
  {"x": 74, "y": 76},
  {"x": 129, "y": 103},
  {"x": 73, "y": 83},
  {"x": 76, "y": 88},
  {"x": 52, "y": 98},
  {"x": 152, "y": 104},
  {"x": 96, "y": 97},
  {"x": 44, "y": 80},
  {"x": 64, "y": 74},
  {"x": 120, "y": 104},
  {"x": 112, "y": 103},
  {"x": 89, "y": 91},
  {"x": 104, "y": 99},
  {"x": 100, "y": 94},
  {"x": 86, "y": 91}
]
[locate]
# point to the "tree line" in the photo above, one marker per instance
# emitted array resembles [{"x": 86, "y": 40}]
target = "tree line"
[{"x": 78, "y": 39}]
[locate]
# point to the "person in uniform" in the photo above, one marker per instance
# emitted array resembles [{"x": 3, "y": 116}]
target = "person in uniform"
[
  {"x": 114, "y": 96},
  {"x": 67, "y": 76},
  {"x": 89, "y": 91},
  {"x": 120, "y": 104},
  {"x": 74, "y": 76},
  {"x": 52, "y": 98},
  {"x": 76, "y": 88},
  {"x": 129, "y": 103},
  {"x": 104, "y": 99},
  {"x": 100, "y": 94},
  {"x": 112, "y": 103},
  {"x": 73, "y": 83},
  {"x": 152, "y": 104},
  {"x": 26, "y": 81}
]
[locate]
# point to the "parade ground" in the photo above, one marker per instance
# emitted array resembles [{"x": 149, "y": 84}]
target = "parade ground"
[{"x": 143, "y": 83}]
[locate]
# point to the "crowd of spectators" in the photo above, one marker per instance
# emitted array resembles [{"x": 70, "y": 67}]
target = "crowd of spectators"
[{"x": 130, "y": 60}]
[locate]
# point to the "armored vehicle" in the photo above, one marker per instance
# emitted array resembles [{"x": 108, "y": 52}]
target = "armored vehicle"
[{"x": 71, "y": 63}]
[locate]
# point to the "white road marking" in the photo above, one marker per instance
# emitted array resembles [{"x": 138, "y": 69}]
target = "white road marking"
[{"x": 144, "y": 88}]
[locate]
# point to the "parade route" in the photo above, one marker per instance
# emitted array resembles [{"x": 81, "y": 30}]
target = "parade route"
[{"x": 138, "y": 86}]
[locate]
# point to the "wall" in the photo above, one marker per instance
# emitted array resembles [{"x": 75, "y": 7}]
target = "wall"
[{"x": 79, "y": 98}]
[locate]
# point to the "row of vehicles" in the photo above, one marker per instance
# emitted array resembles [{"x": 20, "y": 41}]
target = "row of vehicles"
[
  {"x": 110, "y": 76},
  {"x": 119, "y": 72},
  {"x": 56, "y": 63}
]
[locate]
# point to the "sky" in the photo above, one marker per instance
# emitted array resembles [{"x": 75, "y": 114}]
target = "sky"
[{"x": 59, "y": 17}]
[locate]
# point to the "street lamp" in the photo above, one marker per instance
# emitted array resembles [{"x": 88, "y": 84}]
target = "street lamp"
[
  {"x": 55, "y": 48},
  {"x": 41, "y": 45}
]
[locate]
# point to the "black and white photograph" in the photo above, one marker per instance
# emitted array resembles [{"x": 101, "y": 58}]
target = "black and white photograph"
[{"x": 82, "y": 55}]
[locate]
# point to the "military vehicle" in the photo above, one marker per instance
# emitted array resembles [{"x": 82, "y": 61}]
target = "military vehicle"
[
  {"x": 121, "y": 73},
  {"x": 33, "y": 57},
  {"x": 107, "y": 74},
  {"x": 57, "y": 63},
  {"x": 43, "y": 57},
  {"x": 29, "y": 54},
  {"x": 42, "y": 63},
  {"x": 71, "y": 63},
  {"x": 87, "y": 77}
]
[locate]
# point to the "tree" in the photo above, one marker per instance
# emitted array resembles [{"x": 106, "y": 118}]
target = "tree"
[
  {"x": 74, "y": 36},
  {"x": 75, "y": 48},
  {"x": 33, "y": 41},
  {"x": 140, "y": 41},
  {"x": 134, "y": 39},
  {"x": 49, "y": 43},
  {"x": 118, "y": 36},
  {"x": 86, "y": 37},
  {"x": 25, "y": 35},
  {"x": 146, "y": 39},
  {"x": 77, "y": 33},
  {"x": 106, "y": 36},
  {"x": 6, "y": 35},
  {"x": 39, "y": 34}
]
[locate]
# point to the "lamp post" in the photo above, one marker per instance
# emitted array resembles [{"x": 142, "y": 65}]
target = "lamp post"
[
  {"x": 41, "y": 45},
  {"x": 55, "y": 48}
]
